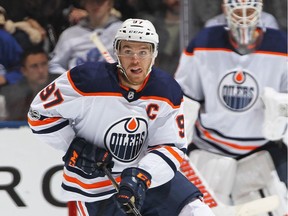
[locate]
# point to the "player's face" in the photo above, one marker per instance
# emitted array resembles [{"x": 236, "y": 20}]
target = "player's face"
[
  {"x": 135, "y": 58},
  {"x": 36, "y": 69}
]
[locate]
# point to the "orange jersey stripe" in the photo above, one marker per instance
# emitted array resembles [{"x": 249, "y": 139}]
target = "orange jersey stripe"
[
  {"x": 228, "y": 50},
  {"x": 212, "y": 49},
  {"x": 42, "y": 122},
  {"x": 174, "y": 153},
  {"x": 233, "y": 145},
  {"x": 171, "y": 150},
  {"x": 92, "y": 93},
  {"x": 118, "y": 94},
  {"x": 90, "y": 186},
  {"x": 81, "y": 208},
  {"x": 272, "y": 53}
]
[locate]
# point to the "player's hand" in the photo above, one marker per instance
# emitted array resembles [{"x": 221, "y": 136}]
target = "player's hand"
[
  {"x": 133, "y": 186},
  {"x": 88, "y": 157}
]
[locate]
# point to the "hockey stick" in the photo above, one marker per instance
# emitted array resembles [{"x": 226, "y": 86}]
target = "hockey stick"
[
  {"x": 255, "y": 207},
  {"x": 115, "y": 184},
  {"x": 104, "y": 52}
]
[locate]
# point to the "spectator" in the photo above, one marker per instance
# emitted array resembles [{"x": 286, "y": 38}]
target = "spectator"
[
  {"x": 10, "y": 52},
  {"x": 34, "y": 66},
  {"x": 22, "y": 13},
  {"x": 226, "y": 70},
  {"x": 74, "y": 15},
  {"x": 167, "y": 21},
  {"x": 75, "y": 45},
  {"x": 49, "y": 18}
]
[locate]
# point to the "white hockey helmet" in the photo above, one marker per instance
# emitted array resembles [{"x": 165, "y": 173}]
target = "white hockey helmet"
[
  {"x": 138, "y": 30},
  {"x": 243, "y": 17}
]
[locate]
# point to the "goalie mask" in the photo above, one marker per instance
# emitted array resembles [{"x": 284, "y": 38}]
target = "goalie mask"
[
  {"x": 243, "y": 17},
  {"x": 137, "y": 30}
]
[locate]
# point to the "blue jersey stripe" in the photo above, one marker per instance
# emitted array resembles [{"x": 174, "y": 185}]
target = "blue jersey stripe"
[{"x": 52, "y": 129}]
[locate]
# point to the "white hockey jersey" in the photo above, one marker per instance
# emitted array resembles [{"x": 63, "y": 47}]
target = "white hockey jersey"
[
  {"x": 230, "y": 85},
  {"x": 75, "y": 46},
  {"x": 143, "y": 128}
]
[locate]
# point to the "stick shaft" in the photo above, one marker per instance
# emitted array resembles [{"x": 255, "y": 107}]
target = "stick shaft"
[{"x": 104, "y": 52}]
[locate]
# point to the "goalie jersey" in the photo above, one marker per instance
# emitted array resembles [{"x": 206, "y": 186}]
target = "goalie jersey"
[
  {"x": 231, "y": 85},
  {"x": 143, "y": 128}
]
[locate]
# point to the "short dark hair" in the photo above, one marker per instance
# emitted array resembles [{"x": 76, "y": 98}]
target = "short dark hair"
[{"x": 32, "y": 51}]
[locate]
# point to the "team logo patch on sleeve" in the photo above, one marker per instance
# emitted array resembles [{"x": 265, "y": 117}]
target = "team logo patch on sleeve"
[
  {"x": 238, "y": 90},
  {"x": 126, "y": 137}
]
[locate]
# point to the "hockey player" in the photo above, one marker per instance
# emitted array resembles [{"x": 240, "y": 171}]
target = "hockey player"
[
  {"x": 128, "y": 117},
  {"x": 226, "y": 69}
]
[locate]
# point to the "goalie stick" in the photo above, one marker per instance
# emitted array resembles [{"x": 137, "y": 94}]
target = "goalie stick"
[
  {"x": 254, "y": 207},
  {"x": 115, "y": 184},
  {"x": 104, "y": 52}
]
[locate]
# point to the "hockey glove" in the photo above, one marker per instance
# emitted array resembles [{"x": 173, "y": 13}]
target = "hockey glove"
[
  {"x": 88, "y": 157},
  {"x": 133, "y": 186}
]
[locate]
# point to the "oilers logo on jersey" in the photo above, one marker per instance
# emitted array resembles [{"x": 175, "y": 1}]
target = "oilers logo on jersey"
[
  {"x": 125, "y": 138},
  {"x": 238, "y": 90}
]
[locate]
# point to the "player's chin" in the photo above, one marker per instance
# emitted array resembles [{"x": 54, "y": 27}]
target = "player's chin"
[{"x": 137, "y": 80}]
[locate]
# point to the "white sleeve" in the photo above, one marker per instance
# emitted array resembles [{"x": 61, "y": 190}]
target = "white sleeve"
[
  {"x": 167, "y": 144},
  {"x": 44, "y": 116},
  {"x": 188, "y": 77}
]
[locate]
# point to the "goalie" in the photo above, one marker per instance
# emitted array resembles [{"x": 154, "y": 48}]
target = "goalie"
[{"x": 241, "y": 122}]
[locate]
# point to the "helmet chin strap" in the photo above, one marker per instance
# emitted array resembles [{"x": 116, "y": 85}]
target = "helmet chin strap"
[{"x": 122, "y": 70}]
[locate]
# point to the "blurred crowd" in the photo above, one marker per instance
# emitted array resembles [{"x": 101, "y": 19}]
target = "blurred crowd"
[{"x": 39, "y": 40}]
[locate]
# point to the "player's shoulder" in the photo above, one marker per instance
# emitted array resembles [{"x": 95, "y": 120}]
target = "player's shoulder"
[
  {"x": 93, "y": 76},
  {"x": 162, "y": 84},
  {"x": 274, "y": 40},
  {"x": 209, "y": 37}
]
